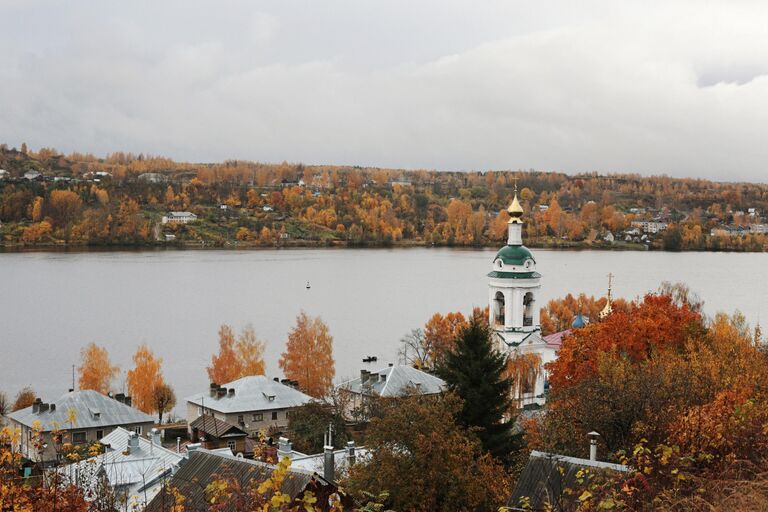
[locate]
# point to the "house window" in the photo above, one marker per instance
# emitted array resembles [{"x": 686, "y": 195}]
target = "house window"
[
  {"x": 137, "y": 429},
  {"x": 274, "y": 415},
  {"x": 231, "y": 445},
  {"x": 258, "y": 417},
  {"x": 199, "y": 411},
  {"x": 99, "y": 434},
  {"x": 240, "y": 419},
  {"x": 78, "y": 437}
]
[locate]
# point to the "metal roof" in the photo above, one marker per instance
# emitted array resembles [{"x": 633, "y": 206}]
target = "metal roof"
[
  {"x": 252, "y": 393},
  {"x": 204, "y": 467},
  {"x": 216, "y": 427},
  {"x": 137, "y": 471},
  {"x": 91, "y": 410},
  {"x": 316, "y": 462},
  {"x": 396, "y": 381},
  {"x": 546, "y": 477}
]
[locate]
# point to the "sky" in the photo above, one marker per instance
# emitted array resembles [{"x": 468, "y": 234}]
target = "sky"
[{"x": 677, "y": 88}]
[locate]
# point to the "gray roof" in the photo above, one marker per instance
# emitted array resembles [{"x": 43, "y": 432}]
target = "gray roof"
[
  {"x": 316, "y": 462},
  {"x": 92, "y": 409},
  {"x": 253, "y": 393},
  {"x": 397, "y": 381},
  {"x": 204, "y": 467},
  {"x": 552, "y": 479},
  {"x": 136, "y": 469}
]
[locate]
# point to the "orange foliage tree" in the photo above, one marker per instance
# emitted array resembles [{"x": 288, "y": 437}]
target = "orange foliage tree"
[
  {"x": 440, "y": 333},
  {"x": 237, "y": 357},
  {"x": 144, "y": 379},
  {"x": 96, "y": 371},
  {"x": 308, "y": 357},
  {"x": 24, "y": 398},
  {"x": 654, "y": 324}
]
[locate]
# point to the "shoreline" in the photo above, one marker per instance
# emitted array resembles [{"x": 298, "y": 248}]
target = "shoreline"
[{"x": 239, "y": 246}]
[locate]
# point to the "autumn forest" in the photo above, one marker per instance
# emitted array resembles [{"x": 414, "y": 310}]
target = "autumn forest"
[{"x": 51, "y": 199}]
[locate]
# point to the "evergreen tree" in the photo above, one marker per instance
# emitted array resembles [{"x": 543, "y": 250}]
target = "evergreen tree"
[{"x": 474, "y": 370}]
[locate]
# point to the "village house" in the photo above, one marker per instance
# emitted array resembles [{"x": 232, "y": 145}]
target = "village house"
[
  {"x": 650, "y": 226},
  {"x": 152, "y": 177},
  {"x": 390, "y": 382},
  {"x": 179, "y": 217},
  {"x": 4, "y": 174},
  {"x": 254, "y": 403},
  {"x": 133, "y": 466},
  {"x": 33, "y": 176},
  {"x": 213, "y": 433},
  {"x": 82, "y": 416}
]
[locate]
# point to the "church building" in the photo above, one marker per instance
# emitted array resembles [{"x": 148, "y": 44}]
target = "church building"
[{"x": 514, "y": 287}]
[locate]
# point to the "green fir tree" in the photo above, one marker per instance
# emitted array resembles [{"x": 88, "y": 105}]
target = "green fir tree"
[{"x": 474, "y": 370}]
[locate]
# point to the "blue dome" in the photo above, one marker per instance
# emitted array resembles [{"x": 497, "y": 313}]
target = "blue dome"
[{"x": 578, "y": 322}]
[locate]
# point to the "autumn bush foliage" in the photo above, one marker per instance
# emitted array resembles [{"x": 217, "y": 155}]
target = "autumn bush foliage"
[
  {"x": 682, "y": 400},
  {"x": 427, "y": 461}
]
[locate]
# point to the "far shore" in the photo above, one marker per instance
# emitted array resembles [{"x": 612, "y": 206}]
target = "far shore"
[{"x": 312, "y": 244}]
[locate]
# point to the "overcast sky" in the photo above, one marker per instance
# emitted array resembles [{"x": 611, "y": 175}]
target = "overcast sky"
[{"x": 679, "y": 88}]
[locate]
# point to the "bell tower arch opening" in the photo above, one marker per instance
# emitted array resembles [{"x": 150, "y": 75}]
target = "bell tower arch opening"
[
  {"x": 528, "y": 309},
  {"x": 499, "y": 305}
]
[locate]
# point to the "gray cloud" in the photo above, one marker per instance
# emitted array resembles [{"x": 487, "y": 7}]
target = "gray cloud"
[{"x": 677, "y": 88}]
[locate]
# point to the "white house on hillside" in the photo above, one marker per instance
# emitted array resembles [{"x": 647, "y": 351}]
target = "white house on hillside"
[{"x": 179, "y": 217}]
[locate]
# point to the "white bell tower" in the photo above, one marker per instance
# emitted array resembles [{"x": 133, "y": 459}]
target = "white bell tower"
[{"x": 513, "y": 287}]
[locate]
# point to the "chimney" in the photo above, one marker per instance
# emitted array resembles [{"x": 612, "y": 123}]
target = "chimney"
[
  {"x": 383, "y": 377},
  {"x": 391, "y": 365},
  {"x": 53, "y": 407},
  {"x": 284, "y": 447},
  {"x": 231, "y": 392},
  {"x": 155, "y": 436},
  {"x": 329, "y": 461},
  {"x": 127, "y": 401},
  {"x": 212, "y": 389},
  {"x": 120, "y": 397},
  {"x": 43, "y": 407},
  {"x": 593, "y": 445},
  {"x": 350, "y": 453},
  {"x": 133, "y": 442},
  {"x": 364, "y": 375},
  {"x": 36, "y": 405},
  {"x": 276, "y": 379},
  {"x": 221, "y": 392}
]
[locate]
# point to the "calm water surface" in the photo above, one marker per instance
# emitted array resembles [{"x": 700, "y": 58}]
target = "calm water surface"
[{"x": 54, "y": 303}]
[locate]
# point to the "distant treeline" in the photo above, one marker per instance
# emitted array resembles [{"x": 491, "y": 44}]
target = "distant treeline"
[{"x": 79, "y": 199}]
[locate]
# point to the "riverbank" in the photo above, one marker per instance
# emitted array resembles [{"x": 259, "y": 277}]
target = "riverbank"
[{"x": 328, "y": 244}]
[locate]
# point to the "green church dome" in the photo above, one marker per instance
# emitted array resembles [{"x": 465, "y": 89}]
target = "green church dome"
[{"x": 514, "y": 255}]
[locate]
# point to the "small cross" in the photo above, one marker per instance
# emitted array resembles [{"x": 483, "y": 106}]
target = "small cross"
[{"x": 515, "y": 179}]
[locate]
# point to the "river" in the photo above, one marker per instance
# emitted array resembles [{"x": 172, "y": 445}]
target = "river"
[{"x": 52, "y": 304}]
